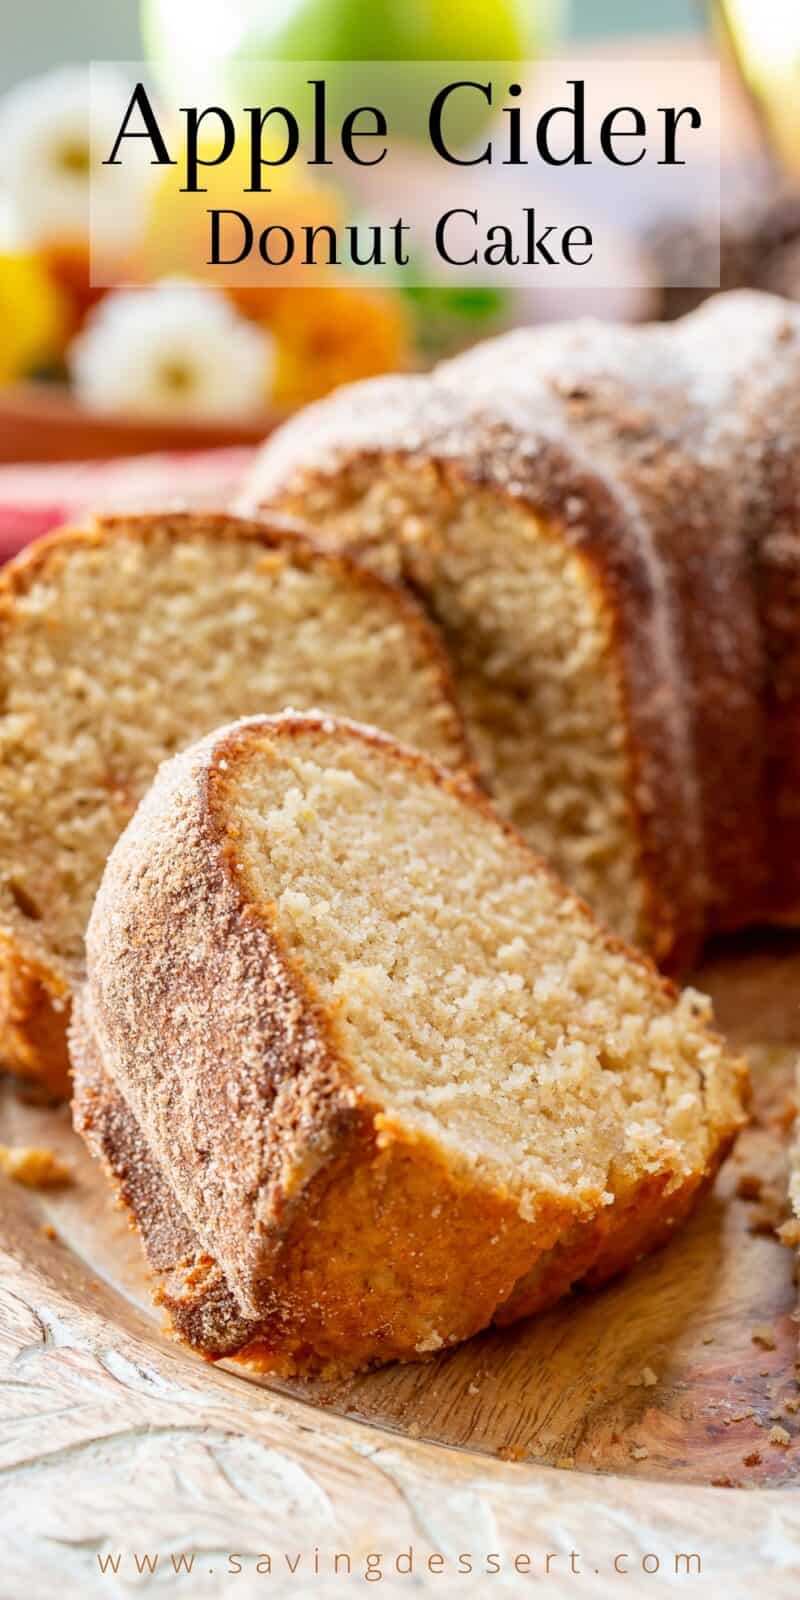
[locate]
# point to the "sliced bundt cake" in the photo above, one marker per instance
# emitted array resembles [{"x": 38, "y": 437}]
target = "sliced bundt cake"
[
  {"x": 367, "y": 1076},
  {"x": 605, "y": 521},
  {"x": 119, "y": 646}
]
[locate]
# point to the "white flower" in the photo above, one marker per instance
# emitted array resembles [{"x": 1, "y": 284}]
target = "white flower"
[
  {"x": 177, "y": 349},
  {"x": 55, "y": 133}
]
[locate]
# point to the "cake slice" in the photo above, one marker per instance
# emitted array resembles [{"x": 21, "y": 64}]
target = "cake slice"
[
  {"x": 366, "y": 1075},
  {"x": 123, "y": 644}
]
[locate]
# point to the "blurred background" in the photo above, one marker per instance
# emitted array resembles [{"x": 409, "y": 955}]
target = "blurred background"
[
  {"x": 47, "y": 30},
  {"x": 159, "y": 366}
]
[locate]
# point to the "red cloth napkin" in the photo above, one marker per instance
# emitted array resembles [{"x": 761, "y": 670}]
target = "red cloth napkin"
[{"x": 34, "y": 499}]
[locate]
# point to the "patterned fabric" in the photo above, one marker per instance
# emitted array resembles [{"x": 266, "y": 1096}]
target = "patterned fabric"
[{"x": 34, "y": 499}]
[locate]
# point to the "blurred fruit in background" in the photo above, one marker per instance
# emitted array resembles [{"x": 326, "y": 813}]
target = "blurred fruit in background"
[
  {"x": 47, "y": 163},
  {"x": 175, "y": 235},
  {"x": 764, "y": 37},
  {"x": 250, "y": 345},
  {"x": 33, "y": 315},
  {"x": 248, "y": 54},
  {"x": 324, "y": 334},
  {"x": 331, "y": 335}
]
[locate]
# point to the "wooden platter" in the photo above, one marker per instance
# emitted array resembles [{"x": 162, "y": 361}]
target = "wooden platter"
[{"x": 632, "y": 1420}]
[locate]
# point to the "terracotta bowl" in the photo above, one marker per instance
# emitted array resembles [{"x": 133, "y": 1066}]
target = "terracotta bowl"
[{"x": 42, "y": 422}]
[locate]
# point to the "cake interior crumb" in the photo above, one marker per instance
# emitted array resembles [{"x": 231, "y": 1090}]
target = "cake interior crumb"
[{"x": 473, "y": 997}]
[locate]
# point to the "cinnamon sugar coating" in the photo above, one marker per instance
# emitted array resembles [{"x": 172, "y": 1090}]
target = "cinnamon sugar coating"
[
  {"x": 667, "y": 457},
  {"x": 366, "y": 1076}
]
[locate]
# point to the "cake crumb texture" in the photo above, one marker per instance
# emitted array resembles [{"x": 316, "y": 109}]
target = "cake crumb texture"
[
  {"x": 124, "y": 643},
  {"x": 389, "y": 1079},
  {"x": 604, "y": 522}
]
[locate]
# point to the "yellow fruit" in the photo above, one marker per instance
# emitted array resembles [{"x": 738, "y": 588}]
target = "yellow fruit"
[
  {"x": 177, "y": 232},
  {"x": 333, "y": 335},
  {"x": 32, "y": 316}
]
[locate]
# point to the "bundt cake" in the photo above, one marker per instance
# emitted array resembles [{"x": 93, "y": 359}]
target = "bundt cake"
[
  {"x": 366, "y": 1075},
  {"x": 605, "y": 522},
  {"x": 122, "y": 644}
]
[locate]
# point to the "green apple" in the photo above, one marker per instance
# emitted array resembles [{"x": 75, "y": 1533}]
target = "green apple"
[
  {"x": 243, "y": 49},
  {"x": 397, "y": 30}
]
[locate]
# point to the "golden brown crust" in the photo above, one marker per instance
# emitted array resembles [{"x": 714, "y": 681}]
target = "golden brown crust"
[
  {"x": 286, "y": 1187},
  {"x": 597, "y": 524},
  {"x": 612, "y": 1242},
  {"x": 216, "y": 1093},
  {"x": 344, "y": 1298},
  {"x": 367, "y": 1311},
  {"x": 594, "y": 520},
  {"x": 34, "y": 995}
]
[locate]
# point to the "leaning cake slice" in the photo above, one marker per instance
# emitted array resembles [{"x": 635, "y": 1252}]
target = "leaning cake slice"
[
  {"x": 125, "y": 643},
  {"x": 366, "y": 1075}
]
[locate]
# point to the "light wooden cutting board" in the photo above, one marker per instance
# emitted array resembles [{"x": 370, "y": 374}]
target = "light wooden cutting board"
[{"x": 634, "y": 1421}]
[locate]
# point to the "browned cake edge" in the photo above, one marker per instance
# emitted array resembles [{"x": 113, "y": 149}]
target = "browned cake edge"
[
  {"x": 34, "y": 996},
  {"x": 340, "y": 1238},
  {"x": 202, "y": 1310},
  {"x": 598, "y": 522},
  {"x": 699, "y": 426}
]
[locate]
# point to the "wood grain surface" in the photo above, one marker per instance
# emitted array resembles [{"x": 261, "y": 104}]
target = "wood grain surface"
[{"x": 632, "y": 1420}]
